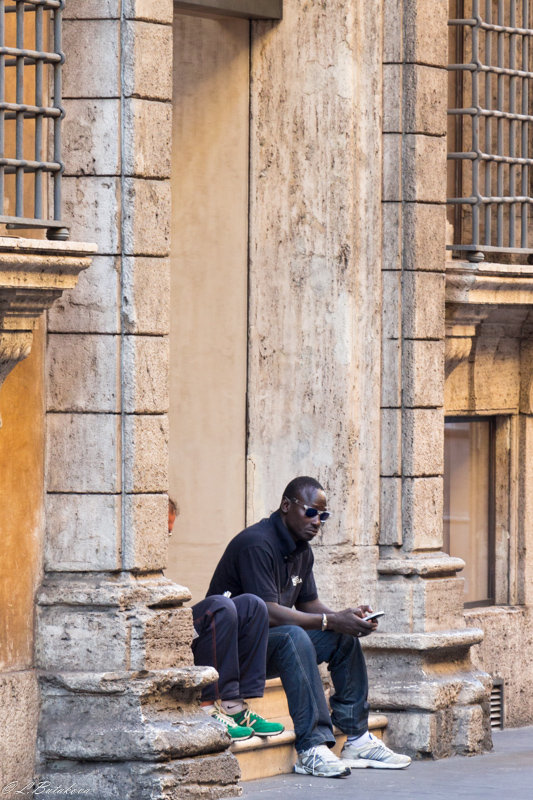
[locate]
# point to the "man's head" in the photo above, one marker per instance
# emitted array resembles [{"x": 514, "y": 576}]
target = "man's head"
[
  {"x": 172, "y": 514},
  {"x": 301, "y": 498}
]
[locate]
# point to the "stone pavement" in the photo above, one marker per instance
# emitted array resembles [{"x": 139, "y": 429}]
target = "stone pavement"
[{"x": 505, "y": 772}]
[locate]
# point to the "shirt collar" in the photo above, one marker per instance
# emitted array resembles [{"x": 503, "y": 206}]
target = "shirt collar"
[{"x": 288, "y": 545}]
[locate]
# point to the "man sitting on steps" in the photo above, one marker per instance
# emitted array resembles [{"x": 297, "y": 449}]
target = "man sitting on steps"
[
  {"x": 231, "y": 635},
  {"x": 273, "y": 560}
]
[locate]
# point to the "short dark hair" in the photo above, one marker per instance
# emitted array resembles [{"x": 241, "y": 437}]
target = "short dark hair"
[
  {"x": 296, "y": 486},
  {"x": 173, "y": 506}
]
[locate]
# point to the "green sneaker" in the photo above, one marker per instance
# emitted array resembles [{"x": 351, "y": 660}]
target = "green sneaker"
[
  {"x": 260, "y": 726},
  {"x": 237, "y": 732}
]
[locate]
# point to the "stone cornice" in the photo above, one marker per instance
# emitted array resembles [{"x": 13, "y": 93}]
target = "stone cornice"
[
  {"x": 33, "y": 274},
  {"x": 472, "y": 291},
  {"x": 488, "y": 283}
]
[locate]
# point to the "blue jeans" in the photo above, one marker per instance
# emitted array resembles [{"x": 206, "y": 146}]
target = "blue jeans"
[{"x": 293, "y": 655}]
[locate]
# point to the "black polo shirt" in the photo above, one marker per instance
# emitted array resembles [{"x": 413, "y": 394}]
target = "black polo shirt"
[{"x": 265, "y": 560}]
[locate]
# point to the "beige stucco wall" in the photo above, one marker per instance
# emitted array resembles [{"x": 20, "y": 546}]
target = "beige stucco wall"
[
  {"x": 21, "y": 530},
  {"x": 208, "y": 338}
]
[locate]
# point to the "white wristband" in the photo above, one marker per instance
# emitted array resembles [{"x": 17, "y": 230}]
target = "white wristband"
[{"x": 324, "y": 622}]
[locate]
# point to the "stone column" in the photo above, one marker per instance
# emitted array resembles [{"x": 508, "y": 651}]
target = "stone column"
[
  {"x": 422, "y": 674},
  {"x": 315, "y": 275},
  {"x": 119, "y": 690}
]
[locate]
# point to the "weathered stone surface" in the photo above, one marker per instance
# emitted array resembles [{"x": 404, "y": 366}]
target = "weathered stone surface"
[
  {"x": 422, "y": 305},
  {"x": 81, "y": 639},
  {"x": 82, "y": 453},
  {"x": 504, "y": 653},
  {"x": 19, "y": 700},
  {"x": 92, "y": 9},
  {"x": 147, "y": 217},
  {"x": 392, "y": 236},
  {"x": 310, "y": 245},
  {"x": 146, "y": 284},
  {"x": 147, "y": 144},
  {"x": 423, "y": 169},
  {"x": 146, "y": 532},
  {"x": 391, "y": 441},
  {"x": 423, "y": 373},
  {"x": 392, "y": 32},
  {"x": 92, "y": 207},
  {"x": 391, "y": 376},
  {"x": 82, "y": 532},
  {"x": 425, "y": 31},
  {"x": 422, "y": 441},
  {"x": 83, "y": 372},
  {"x": 146, "y": 454},
  {"x": 147, "y": 60},
  {"x": 99, "y": 625},
  {"x": 391, "y": 311},
  {"x": 392, "y": 167},
  {"x": 90, "y": 133},
  {"x": 425, "y": 94},
  {"x": 124, "y": 592},
  {"x": 331, "y": 565},
  {"x": 146, "y": 367},
  {"x": 165, "y": 640},
  {"x": 122, "y": 722},
  {"x": 160, "y": 11},
  {"x": 90, "y": 71},
  {"x": 212, "y": 776},
  {"x": 391, "y": 512},
  {"x": 93, "y": 306},
  {"x": 392, "y": 90},
  {"x": 422, "y": 513},
  {"x": 422, "y": 251}
]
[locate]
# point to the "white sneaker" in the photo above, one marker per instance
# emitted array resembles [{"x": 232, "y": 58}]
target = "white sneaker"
[
  {"x": 321, "y": 762},
  {"x": 373, "y": 754}
]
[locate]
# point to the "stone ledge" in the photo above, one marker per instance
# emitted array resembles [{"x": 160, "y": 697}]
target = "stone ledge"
[
  {"x": 108, "y": 591},
  {"x": 33, "y": 274},
  {"x": 424, "y": 642},
  {"x": 140, "y": 683},
  {"x": 430, "y": 566}
]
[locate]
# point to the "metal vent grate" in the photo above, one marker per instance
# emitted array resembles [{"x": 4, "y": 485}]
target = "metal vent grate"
[{"x": 496, "y": 704}]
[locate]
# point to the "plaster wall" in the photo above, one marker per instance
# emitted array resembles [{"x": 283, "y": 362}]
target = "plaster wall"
[
  {"x": 21, "y": 533},
  {"x": 208, "y": 301}
]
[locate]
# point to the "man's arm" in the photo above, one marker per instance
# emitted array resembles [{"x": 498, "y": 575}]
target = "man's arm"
[{"x": 309, "y": 617}]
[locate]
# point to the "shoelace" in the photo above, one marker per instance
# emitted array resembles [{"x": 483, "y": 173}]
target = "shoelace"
[
  {"x": 321, "y": 753},
  {"x": 223, "y": 717}
]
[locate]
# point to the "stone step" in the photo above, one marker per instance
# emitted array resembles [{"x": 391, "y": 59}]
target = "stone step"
[{"x": 265, "y": 757}]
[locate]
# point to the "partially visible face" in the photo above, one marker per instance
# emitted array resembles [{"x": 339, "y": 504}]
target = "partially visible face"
[
  {"x": 171, "y": 520},
  {"x": 301, "y": 527}
]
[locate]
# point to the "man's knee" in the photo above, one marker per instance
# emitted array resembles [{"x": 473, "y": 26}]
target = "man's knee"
[
  {"x": 291, "y": 637},
  {"x": 251, "y": 605},
  {"x": 220, "y": 606}
]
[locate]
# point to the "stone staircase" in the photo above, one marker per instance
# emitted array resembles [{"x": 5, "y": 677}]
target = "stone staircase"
[{"x": 262, "y": 758}]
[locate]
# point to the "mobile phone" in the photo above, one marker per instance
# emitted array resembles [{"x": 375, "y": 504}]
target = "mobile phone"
[{"x": 374, "y": 615}]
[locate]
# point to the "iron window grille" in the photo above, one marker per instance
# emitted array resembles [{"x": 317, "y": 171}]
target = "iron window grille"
[
  {"x": 492, "y": 127},
  {"x": 30, "y": 123}
]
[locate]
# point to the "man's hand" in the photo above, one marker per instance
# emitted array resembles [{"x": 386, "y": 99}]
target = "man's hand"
[{"x": 351, "y": 621}]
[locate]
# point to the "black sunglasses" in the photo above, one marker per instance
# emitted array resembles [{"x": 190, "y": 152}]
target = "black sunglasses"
[{"x": 312, "y": 512}]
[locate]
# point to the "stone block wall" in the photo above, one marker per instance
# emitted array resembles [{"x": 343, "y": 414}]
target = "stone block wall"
[{"x": 119, "y": 691}]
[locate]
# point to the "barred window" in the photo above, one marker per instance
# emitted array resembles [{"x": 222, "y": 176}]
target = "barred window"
[
  {"x": 491, "y": 111},
  {"x": 30, "y": 115}
]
